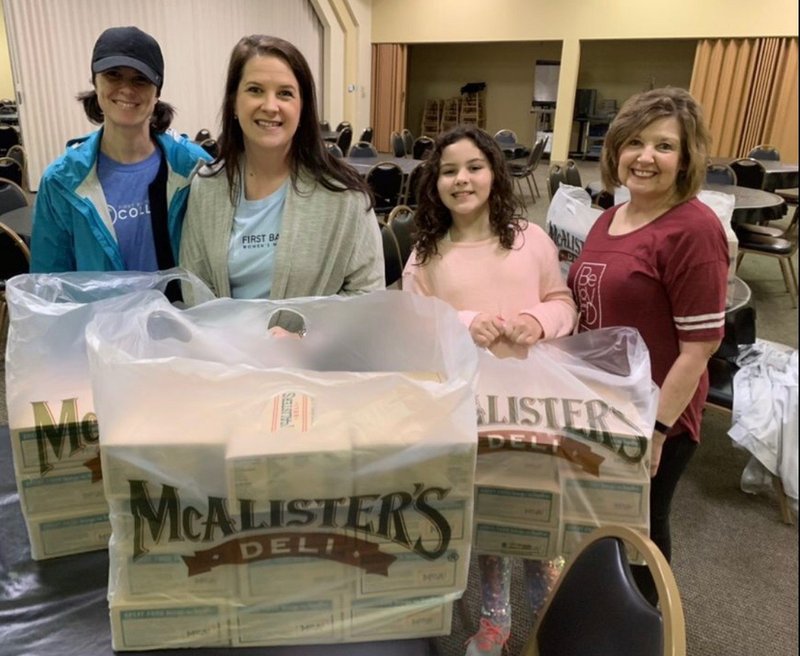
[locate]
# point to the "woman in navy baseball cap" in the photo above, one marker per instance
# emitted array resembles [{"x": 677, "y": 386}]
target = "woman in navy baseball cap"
[{"x": 105, "y": 205}]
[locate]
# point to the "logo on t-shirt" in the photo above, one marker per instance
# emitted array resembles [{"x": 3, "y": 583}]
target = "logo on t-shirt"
[
  {"x": 129, "y": 211},
  {"x": 265, "y": 240},
  {"x": 587, "y": 293}
]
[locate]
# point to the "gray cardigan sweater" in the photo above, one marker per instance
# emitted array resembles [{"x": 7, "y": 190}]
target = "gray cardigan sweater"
[{"x": 330, "y": 243}]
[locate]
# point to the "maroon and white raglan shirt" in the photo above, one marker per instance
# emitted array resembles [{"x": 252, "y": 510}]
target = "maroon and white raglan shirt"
[{"x": 668, "y": 279}]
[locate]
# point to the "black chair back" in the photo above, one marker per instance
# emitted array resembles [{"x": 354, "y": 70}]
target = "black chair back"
[
  {"x": 363, "y": 149},
  {"x": 386, "y": 181},
  {"x": 11, "y": 196},
  {"x": 345, "y": 138},
  {"x": 334, "y": 150},
  {"x": 211, "y": 147},
  {"x": 401, "y": 221},
  {"x": 398, "y": 145},
  {"x": 505, "y": 137},
  {"x": 572, "y": 176},
  {"x": 412, "y": 186},
  {"x": 11, "y": 169},
  {"x": 202, "y": 135},
  {"x": 392, "y": 262},
  {"x": 366, "y": 135},
  {"x": 15, "y": 258},
  {"x": 343, "y": 125},
  {"x": 720, "y": 174},
  {"x": 17, "y": 153},
  {"x": 765, "y": 151},
  {"x": 408, "y": 141},
  {"x": 324, "y": 126},
  {"x": 556, "y": 174},
  {"x": 8, "y": 137},
  {"x": 749, "y": 172},
  {"x": 598, "y": 593},
  {"x": 422, "y": 147}
]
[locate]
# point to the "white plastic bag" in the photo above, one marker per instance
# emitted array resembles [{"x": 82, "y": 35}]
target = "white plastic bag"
[
  {"x": 569, "y": 219},
  {"x": 286, "y": 490},
  {"x": 723, "y": 205},
  {"x": 564, "y": 443},
  {"x": 50, "y": 407}
]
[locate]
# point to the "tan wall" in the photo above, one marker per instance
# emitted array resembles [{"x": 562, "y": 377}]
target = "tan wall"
[
  {"x": 432, "y": 21},
  {"x": 576, "y": 24},
  {"x": 6, "y": 79},
  {"x": 439, "y": 71},
  {"x": 619, "y": 69}
]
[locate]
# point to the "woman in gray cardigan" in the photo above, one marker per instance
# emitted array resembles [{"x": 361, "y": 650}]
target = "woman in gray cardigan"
[{"x": 275, "y": 216}]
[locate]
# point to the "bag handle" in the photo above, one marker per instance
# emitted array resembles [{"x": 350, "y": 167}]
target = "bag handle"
[{"x": 289, "y": 320}]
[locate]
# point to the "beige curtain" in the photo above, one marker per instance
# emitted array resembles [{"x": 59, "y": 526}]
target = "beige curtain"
[
  {"x": 388, "y": 111},
  {"x": 748, "y": 89}
]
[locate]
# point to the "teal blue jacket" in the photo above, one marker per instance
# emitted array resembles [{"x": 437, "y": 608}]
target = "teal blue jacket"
[{"x": 72, "y": 229}]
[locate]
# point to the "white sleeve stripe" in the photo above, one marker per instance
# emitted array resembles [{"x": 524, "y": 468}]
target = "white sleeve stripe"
[
  {"x": 699, "y": 317},
  {"x": 701, "y": 326}
]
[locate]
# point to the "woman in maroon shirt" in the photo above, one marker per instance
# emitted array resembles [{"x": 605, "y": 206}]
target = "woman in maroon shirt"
[{"x": 659, "y": 263}]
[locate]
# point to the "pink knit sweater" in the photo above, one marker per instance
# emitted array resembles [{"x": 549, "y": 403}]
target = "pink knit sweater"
[{"x": 482, "y": 276}]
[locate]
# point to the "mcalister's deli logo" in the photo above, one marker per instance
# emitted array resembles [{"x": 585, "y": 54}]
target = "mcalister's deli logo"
[
  {"x": 62, "y": 438},
  {"x": 335, "y": 528},
  {"x": 560, "y": 427}
]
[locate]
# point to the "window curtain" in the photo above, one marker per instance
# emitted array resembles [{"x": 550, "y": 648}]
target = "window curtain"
[
  {"x": 748, "y": 90},
  {"x": 388, "y": 110}
]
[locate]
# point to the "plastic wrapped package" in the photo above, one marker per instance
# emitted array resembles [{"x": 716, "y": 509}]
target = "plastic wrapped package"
[
  {"x": 723, "y": 206},
  {"x": 765, "y": 418},
  {"x": 564, "y": 443},
  {"x": 51, "y": 415},
  {"x": 570, "y": 216},
  {"x": 272, "y": 490}
]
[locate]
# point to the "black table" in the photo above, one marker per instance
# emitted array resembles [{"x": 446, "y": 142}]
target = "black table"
[
  {"x": 777, "y": 175},
  {"x": 59, "y": 606},
  {"x": 750, "y": 205},
  {"x": 330, "y": 135}
]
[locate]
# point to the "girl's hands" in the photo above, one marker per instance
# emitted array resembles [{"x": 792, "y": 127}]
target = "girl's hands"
[
  {"x": 485, "y": 329},
  {"x": 524, "y": 329}
]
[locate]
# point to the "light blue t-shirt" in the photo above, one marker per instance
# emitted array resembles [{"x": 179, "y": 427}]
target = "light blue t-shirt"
[
  {"x": 125, "y": 188},
  {"x": 254, "y": 240}
]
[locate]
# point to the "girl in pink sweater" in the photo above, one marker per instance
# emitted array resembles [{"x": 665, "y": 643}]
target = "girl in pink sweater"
[{"x": 475, "y": 250}]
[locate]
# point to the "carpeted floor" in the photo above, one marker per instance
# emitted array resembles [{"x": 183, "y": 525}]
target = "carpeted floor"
[{"x": 734, "y": 560}]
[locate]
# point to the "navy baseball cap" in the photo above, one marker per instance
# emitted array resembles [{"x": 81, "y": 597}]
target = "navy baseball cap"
[{"x": 129, "y": 46}]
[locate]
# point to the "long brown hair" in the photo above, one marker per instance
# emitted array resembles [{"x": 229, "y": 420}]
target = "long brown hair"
[
  {"x": 307, "y": 151},
  {"x": 432, "y": 219}
]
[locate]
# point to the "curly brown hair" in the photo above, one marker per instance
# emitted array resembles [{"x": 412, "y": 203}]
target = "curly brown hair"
[{"x": 432, "y": 219}]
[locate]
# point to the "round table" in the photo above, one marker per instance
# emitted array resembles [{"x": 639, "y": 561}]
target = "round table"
[
  {"x": 740, "y": 297},
  {"x": 750, "y": 205}
]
